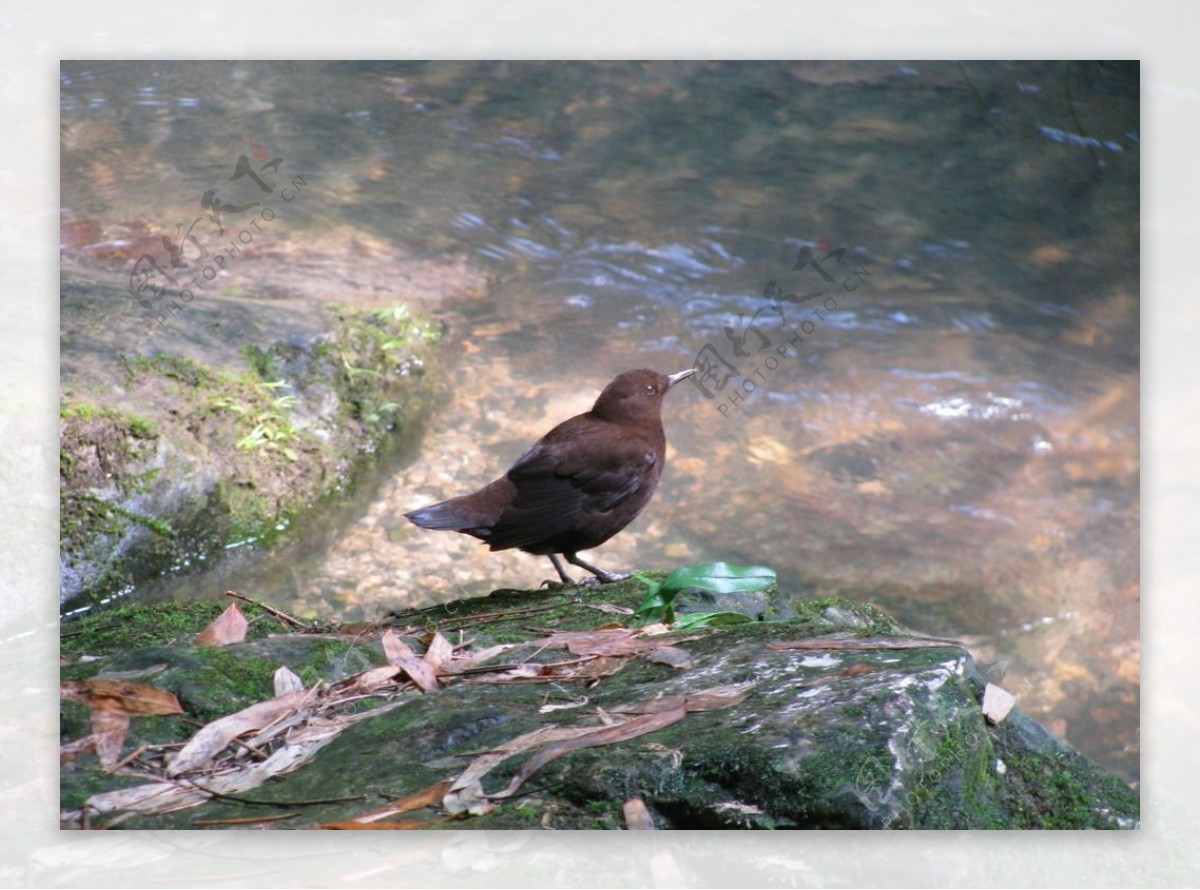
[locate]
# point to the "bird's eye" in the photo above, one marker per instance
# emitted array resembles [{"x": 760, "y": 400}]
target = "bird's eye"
[{"x": 650, "y": 389}]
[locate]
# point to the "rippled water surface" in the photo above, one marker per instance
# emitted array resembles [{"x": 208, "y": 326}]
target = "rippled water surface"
[{"x": 912, "y": 289}]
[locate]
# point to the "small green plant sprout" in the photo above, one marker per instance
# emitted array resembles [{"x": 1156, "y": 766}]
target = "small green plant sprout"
[{"x": 719, "y": 577}]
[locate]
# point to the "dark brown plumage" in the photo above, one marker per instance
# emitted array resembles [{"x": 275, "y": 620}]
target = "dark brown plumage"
[{"x": 579, "y": 485}]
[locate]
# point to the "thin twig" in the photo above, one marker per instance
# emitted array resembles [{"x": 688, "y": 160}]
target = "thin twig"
[
  {"x": 453, "y": 623},
  {"x": 472, "y": 619},
  {"x": 126, "y": 760},
  {"x": 248, "y": 820},
  {"x": 282, "y": 616},
  {"x": 272, "y": 803}
]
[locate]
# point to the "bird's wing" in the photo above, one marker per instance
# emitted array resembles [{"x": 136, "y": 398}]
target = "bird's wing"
[{"x": 572, "y": 470}]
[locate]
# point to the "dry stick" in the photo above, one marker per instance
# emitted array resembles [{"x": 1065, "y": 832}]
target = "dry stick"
[
  {"x": 396, "y": 616},
  {"x": 249, "y": 820},
  {"x": 270, "y": 803},
  {"x": 464, "y": 622},
  {"x": 282, "y": 616},
  {"x": 488, "y": 669},
  {"x": 124, "y": 761}
]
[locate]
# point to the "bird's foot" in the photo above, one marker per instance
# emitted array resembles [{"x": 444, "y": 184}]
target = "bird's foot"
[
  {"x": 611, "y": 577},
  {"x": 601, "y": 576}
]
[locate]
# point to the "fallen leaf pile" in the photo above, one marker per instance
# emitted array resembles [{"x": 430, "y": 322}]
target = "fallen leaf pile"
[{"x": 241, "y": 751}]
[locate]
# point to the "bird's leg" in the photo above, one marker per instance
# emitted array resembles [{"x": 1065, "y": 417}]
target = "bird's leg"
[
  {"x": 606, "y": 577},
  {"x": 562, "y": 572}
]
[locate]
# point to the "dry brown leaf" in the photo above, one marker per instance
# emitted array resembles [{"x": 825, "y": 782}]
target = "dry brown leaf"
[
  {"x": 212, "y": 739},
  {"x": 165, "y": 797},
  {"x": 395, "y": 648},
  {"x": 601, "y": 735},
  {"x": 625, "y": 644},
  {"x": 466, "y": 792},
  {"x": 121, "y": 697},
  {"x": 563, "y": 706},
  {"x": 155, "y": 797},
  {"x": 426, "y": 797},
  {"x": 439, "y": 653},
  {"x": 287, "y": 680},
  {"x": 584, "y": 638},
  {"x": 652, "y": 705},
  {"x": 652, "y": 630},
  {"x": 637, "y": 816},
  {"x": 670, "y": 655},
  {"x": 718, "y": 697},
  {"x": 229, "y": 627},
  {"x": 368, "y": 681},
  {"x": 109, "y": 730},
  {"x": 460, "y": 664},
  {"x": 997, "y": 702},
  {"x": 420, "y": 673}
]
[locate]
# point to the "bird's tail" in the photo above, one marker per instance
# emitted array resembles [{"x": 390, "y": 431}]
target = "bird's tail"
[
  {"x": 473, "y": 514},
  {"x": 448, "y": 515}
]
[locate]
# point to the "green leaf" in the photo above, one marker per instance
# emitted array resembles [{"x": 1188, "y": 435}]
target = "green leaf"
[
  {"x": 720, "y": 577},
  {"x": 646, "y": 579}
]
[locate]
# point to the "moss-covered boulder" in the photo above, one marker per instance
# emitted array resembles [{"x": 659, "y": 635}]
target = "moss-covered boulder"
[
  {"x": 169, "y": 461},
  {"x": 840, "y": 720}
]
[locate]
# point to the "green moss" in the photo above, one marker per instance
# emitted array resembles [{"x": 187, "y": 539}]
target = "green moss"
[
  {"x": 264, "y": 363},
  {"x": 141, "y": 428},
  {"x": 68, "y": 411},
  {"x": 82, "y": 508},
  {"x": 226, "y": 681},
  {"x": 190, "y": 373},
  {"x": 135, "y": 626},
  {"x": 132, "y": 424},
  {"x": 832, "y": 610},
  {"x": 1056, "y": 788}
]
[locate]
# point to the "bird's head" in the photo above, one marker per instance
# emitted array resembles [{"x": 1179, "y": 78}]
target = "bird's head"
[{"x": 636, "y": 396}]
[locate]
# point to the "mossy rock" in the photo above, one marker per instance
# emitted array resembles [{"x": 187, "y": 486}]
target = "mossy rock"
[
  {"x": 882, "y": 737},
  {"x": 214, "y": 458}
]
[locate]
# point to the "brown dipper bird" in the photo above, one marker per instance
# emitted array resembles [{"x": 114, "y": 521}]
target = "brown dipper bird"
[{"x": 579, "y": 485}]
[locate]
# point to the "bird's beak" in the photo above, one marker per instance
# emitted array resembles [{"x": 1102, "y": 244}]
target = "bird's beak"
[{"x": 682, "y": 375}]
